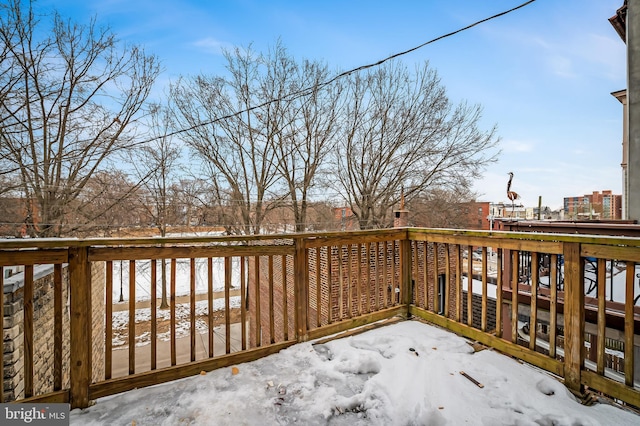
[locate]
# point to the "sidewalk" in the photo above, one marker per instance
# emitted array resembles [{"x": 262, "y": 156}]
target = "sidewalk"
[
  {"x": 145, "y": 304},
  {"x": 120, "y": 360}
]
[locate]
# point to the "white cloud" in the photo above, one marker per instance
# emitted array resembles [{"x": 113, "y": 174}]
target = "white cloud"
[
  {"x": 591, "y": 54},
  {"x": 211, "y": 45},
  {"x": 516, "y": 146},
  {"x": 572, "y": 54},
  {"x": 606, "y": 52},
  {"x": 561, "y": 66}
]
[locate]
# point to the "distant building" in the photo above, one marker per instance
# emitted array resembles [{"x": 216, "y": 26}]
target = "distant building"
[
  {"x": 545, "y": 213},
  {"x": 508, "y": 210},
  {"x": 345, "y": 217},
  {"x": 596, "y": 205},
  {"x": 478, "y": 215},
  {"x": 15, "y": 216}
]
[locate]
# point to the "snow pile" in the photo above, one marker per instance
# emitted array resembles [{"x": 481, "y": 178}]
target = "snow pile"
[{"x": 402, "y": 374}]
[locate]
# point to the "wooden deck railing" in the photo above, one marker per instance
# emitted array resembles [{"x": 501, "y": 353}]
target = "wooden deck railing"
[{"x": 236, "y": 299}]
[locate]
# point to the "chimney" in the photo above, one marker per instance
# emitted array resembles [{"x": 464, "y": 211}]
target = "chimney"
[{"x": 401, "y": 216}]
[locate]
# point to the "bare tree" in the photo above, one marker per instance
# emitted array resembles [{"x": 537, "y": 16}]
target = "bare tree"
[
  {"x": 323, "y": 217},
  {"x": 442, "y": 208},
  {"x": 189, "y": 196},
  {"x": 11, "y": 208},
  {"x": 73, "y": 100},
  {"x": 156, "y": 166},
  {"x": 309, "y": 129},
  {"x": 237, "y": 149},
  {"x": 400, "y": 130},
  {"x": 9, "y": 77},
  {"x": 108, "y": 203}
]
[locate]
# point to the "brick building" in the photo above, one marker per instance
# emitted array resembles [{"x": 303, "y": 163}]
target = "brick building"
[
  {"x": 345, "y": 217},
  {"x": 14, "y": 212},
  {"x": 478, "y": 215},
  {"x": 596, "y": 205}
]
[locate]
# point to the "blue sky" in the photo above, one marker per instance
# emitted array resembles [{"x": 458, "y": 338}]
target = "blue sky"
[{"x": 544, "y": 74}]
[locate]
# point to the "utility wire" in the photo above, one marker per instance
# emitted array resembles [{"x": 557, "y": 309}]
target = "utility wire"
[
  {"x": 308, "y": 90},
  {"x": 395, "y": 55}
]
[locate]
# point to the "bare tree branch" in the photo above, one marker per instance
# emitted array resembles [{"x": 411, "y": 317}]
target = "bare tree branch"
[
  {"x": 75, "y": 99},
  {"x": 399, "y": 130},
  {"x": 239, "y": 152}
]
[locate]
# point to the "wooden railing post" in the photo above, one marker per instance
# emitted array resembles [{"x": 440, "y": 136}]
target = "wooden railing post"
[
  {"x": 573, "y": 316},
  {"x": 80, "y": 326},
  {"x": 300, "y": 274},
  {"x": 405, "y": 272}
]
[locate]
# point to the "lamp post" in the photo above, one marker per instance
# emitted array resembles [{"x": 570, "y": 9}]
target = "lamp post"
[{"x": 121, "y": 297}]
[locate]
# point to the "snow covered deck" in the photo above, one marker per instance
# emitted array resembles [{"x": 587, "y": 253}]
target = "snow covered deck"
[
  {"x": 407, "y": 373},
  {"x": 238, "y": 299}
]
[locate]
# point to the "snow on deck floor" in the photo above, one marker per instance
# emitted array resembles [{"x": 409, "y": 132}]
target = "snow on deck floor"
[{"x": 407, "y": 373}]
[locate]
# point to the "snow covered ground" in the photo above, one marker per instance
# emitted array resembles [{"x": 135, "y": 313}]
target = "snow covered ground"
[
  {"x": 143, "y": 277},
  {"x": 120, "y": 320},
  {"x": 408, "y": 373}
]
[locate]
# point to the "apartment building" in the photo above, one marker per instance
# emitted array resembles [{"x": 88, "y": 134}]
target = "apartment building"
[{"x": 597, "y": 205}]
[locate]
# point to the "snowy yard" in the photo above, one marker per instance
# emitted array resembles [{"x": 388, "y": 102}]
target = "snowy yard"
[
  {"x": 408, "y": 373},
  {"x": 120, "y": 320}
]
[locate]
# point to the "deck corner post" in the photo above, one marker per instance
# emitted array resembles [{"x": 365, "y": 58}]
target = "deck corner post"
[
  {"x": 300, "y": 265},
  {"x": 405, "y": 262},
  {"x": 573, "y": 316},
  {"x": 80, "y": 326}
]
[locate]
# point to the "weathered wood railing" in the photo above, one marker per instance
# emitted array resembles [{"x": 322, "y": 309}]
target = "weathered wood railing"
[{"x": 522, "y": 294}]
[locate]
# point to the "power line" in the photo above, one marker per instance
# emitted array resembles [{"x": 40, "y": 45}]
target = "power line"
[{"x": 308, "y": 90}]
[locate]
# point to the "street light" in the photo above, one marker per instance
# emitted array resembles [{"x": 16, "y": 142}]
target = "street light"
[{"x": 121, "y": 297}]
